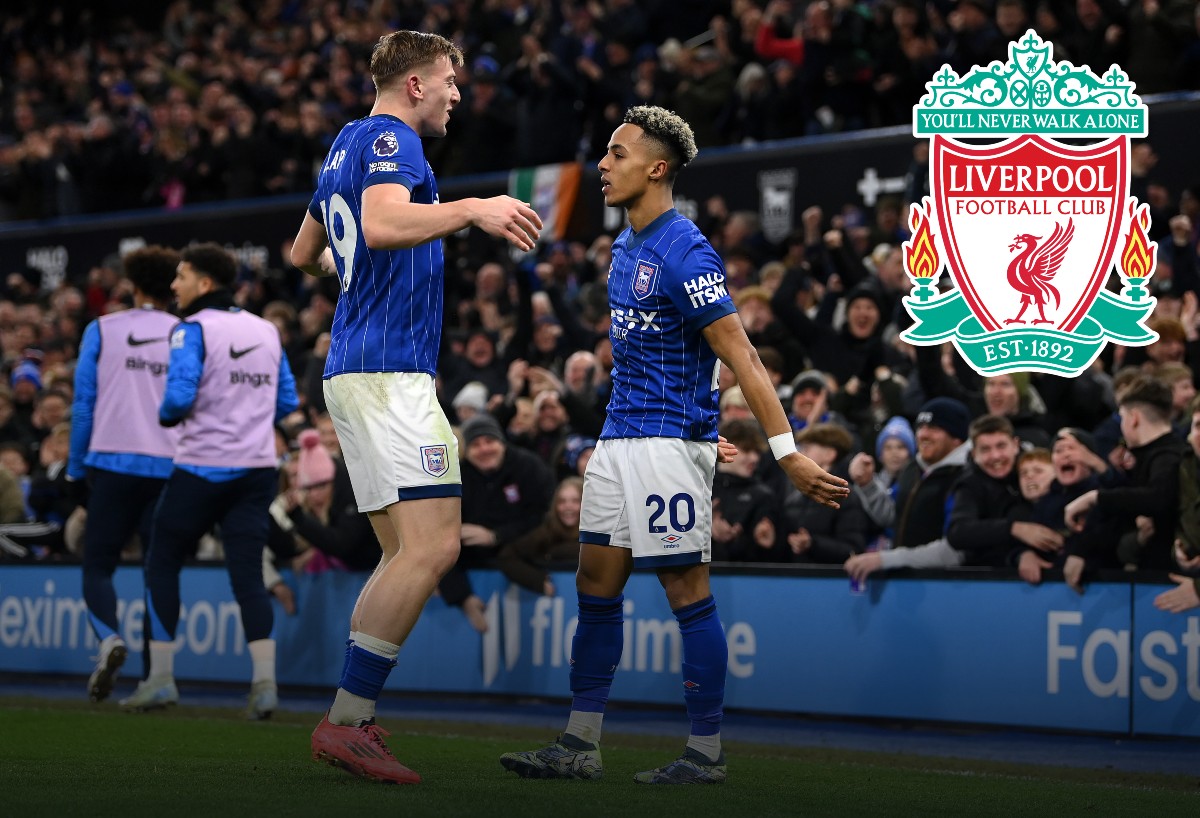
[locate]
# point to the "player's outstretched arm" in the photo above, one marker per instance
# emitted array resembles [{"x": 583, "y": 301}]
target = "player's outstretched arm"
[
  {"x": 310, "y": 250},
  {"x": 728, "y": 339},
  {"x": 392, "y": 221}
]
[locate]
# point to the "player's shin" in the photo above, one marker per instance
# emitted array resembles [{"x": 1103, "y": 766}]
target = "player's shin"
[
  {"x": 595, "y": 654},
  {"x": 705, "y": 657}
]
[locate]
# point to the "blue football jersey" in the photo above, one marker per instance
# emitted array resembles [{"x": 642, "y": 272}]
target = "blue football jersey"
[
  {"x": 665, "y": 286},
  {"x": 389, "y": 314}
]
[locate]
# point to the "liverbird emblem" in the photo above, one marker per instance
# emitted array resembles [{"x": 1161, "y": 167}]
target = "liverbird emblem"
[
  {"x": 1031, "y": 272},
  {"x": 1057, "y": 180}
]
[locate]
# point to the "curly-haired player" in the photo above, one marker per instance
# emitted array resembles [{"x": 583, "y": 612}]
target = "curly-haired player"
[{"x": 647, "y": 496}]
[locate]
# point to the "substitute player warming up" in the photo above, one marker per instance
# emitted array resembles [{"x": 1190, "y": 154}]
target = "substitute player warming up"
[
  {"x": 120, "y": 453},
  {"x": 647, "y": 496},
  {"x": 228, "y": 383}
]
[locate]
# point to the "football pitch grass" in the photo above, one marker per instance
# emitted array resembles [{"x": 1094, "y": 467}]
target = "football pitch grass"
[{"x": 60, "y": 758}]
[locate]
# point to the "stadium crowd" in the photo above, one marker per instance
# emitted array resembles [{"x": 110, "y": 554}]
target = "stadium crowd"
[
  {"x": 1011, "y": 471},
  {"x": 1014, "y": 471},
  {"x": 209, "y": 101}
]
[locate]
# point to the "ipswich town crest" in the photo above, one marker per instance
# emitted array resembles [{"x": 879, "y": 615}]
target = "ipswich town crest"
[
  {"x": 1030, "y": 229},
  {"x": 435, "y": 460}
]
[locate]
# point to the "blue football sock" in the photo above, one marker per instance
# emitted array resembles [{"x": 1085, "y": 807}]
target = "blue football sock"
[
  {"x": 596, "y": 651},
  {"x": 349, "y": 650},
  {"x": 366, "y": 673},
  {"x": 705, "y": 657}
]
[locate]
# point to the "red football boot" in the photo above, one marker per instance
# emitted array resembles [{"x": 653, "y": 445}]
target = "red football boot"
[{"x": 361, "y": 751}]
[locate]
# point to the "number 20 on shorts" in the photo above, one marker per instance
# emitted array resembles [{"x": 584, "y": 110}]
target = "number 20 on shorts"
[{"x": 680, "y": 510}]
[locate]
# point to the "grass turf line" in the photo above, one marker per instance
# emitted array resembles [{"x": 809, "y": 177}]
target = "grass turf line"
[{"x": 70, "y": 758}]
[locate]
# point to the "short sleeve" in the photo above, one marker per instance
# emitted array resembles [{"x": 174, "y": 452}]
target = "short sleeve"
[
  {"x": 694, "y": 280},
  {"x": 393, "y": 155},
  {"x": 314, "y": 209}
]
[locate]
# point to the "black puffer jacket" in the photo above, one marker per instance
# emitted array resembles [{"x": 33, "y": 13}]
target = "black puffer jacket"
[
  {"x": 1152, "y": 490},
  {"x": 981, "y": 516}
]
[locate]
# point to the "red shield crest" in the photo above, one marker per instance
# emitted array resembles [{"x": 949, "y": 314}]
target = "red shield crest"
[{"x": 1029, "y": 226}]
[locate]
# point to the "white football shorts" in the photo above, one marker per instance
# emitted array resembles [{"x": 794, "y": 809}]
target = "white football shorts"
[
  {"x": 652, "y": 495},
  {"x": 396, "y": 440}
]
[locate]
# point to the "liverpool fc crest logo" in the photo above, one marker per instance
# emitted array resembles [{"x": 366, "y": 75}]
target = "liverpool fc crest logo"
[{"x": 1030, "y": 228}]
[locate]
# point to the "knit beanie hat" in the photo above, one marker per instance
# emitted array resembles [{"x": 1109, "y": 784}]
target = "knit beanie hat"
[
  {"x": 316, "y": 466},
  {"x": 864, "y": 291},
  {"x": 27, "y": 371},
  {"x": 947, "y": 414},
  {"x": 474, "y": 395},
  {"x": 896, "y": 427},
  {"x": 480, "y": 426}
]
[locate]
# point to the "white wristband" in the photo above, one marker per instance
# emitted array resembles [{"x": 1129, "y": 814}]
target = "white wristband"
[{"x": 782, "y": 445}]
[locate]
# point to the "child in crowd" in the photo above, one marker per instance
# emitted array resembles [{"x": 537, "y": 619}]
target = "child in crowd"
[
  {"x": 1076, "y": 467},
  {"x": 1035, "y": 474}
]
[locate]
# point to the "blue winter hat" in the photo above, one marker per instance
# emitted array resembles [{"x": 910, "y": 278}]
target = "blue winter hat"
[
  {"x": 576, "y": 445},
  {"x": 27, "y": 371},
  {"x": 947, "y": 414},
  {"x": 899, "y": 428},
  {"x": 486, "y": 68}
]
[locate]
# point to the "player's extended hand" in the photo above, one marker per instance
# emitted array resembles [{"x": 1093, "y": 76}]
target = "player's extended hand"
[
  {"x": 814, "y": 481},
  {"x": 726, "y": 451},
  {"x": 510, "y": 219},
  {"x": 1178, "y": 599}
]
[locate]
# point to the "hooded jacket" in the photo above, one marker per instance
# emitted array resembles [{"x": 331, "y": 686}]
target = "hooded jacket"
[{"x": 920, "y": 505}]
